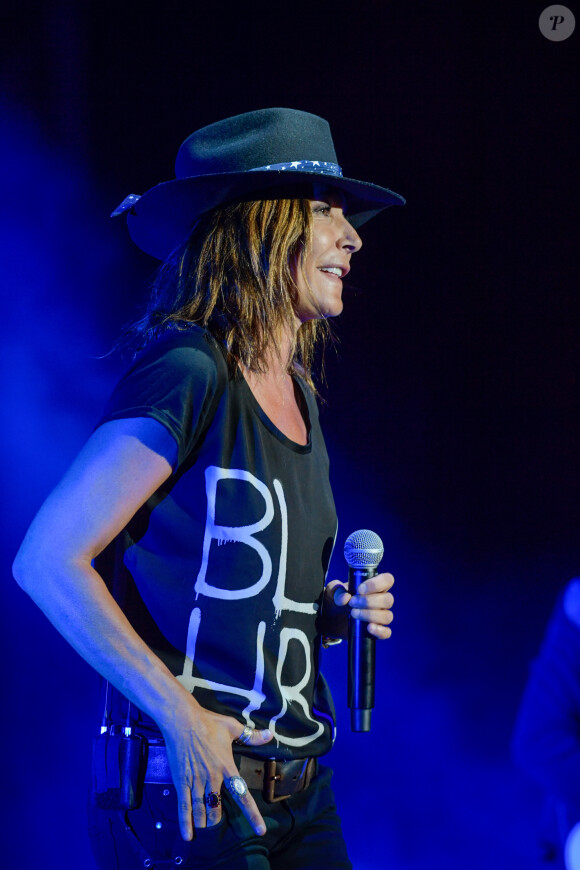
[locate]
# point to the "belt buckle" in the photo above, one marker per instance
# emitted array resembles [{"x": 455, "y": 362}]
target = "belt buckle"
[{"x": 270, "y": 780}]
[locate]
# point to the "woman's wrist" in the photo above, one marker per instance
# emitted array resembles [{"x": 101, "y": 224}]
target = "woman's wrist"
[{"x": 177, "y": 707}]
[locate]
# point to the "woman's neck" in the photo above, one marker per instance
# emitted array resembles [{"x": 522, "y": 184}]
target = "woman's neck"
[
  {"x": 276, "y": 360},
  {"x": 274, "y": 390}
]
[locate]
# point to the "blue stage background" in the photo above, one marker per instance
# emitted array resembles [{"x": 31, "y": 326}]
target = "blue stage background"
[{"x": 451, "y": 408}]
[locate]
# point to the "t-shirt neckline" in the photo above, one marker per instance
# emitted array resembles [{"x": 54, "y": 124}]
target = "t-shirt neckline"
[{"x": 263, "y": 417}]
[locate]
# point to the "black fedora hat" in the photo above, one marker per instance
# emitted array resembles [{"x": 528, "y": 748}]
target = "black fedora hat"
[{"x": 257, "y": 151}]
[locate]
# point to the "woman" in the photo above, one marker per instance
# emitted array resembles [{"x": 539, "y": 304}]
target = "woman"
[{"x": 208, "y": 476}]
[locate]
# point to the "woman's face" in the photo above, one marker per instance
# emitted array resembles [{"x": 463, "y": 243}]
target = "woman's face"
[{"x": 327, "y": 259}]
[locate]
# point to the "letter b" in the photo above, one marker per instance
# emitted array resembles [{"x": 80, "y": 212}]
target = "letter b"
[{"x": 233, "y": 534}]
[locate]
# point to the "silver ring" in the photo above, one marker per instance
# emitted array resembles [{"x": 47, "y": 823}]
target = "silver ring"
[
  {"x": 236, "y": 786},
  {"x": 245, "y": 736}
]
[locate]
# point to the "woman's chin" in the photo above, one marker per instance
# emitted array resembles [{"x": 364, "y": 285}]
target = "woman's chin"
[{"x": 334, "y": 310}]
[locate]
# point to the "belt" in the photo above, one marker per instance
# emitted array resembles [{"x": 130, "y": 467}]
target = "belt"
[{"x": 276, "y": 780}]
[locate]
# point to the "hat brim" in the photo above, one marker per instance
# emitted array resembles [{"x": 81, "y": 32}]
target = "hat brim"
[{"x": 162, "y": 218}]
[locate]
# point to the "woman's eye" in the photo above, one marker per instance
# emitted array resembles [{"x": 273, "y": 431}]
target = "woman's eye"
[{"x": 322, "y": 209}]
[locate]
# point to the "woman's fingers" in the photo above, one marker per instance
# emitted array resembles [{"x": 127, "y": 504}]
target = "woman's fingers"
[
  {"x": 206, "y": 810},
  {"x": 198, "y": 810},
  {"x": 381, "y": 632},
  {"x": 240, "y": 792},
  {"x": 187, "y": 807},
  {"x": 341, "y": 595},
  {"x": 372, "y": 603},
  {"x": 236, "y": 785},
  {"x": 203, "y": 809},
  {"x": 378, "y": 583},
  {"x": 213, "y": 805},
  {"x": 373, "y": 600},
  {"x": 251, "y": 736},
  {"x": 378, "y": 601},
  {"x": 379, "y": 616}
]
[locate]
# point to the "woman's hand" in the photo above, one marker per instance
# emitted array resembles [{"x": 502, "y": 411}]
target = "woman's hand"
[
  {"x": 200, "y": 755},
  {"x": 372, "y": 604}
]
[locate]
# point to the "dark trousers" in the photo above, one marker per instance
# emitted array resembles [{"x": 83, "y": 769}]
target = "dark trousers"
[{"x": 302, "y": 831}]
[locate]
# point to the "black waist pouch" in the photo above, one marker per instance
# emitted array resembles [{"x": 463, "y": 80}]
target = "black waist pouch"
[{"x": 119, "y": 765}]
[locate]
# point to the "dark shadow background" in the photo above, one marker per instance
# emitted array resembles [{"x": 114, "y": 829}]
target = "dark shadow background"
[{"x": 452, "y": 410}]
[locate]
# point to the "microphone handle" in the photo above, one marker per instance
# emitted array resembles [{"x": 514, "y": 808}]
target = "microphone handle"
[{"x": 361, "y": 660}]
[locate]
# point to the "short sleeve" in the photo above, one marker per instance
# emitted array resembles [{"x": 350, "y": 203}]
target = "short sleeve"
[{"x": 177, "y": 380}]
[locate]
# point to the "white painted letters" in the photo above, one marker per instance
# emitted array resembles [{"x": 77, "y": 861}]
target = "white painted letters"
[
  {"x": 254, "y": 695},
  {"x": 234, "y": 534},
  {"x": 245, "y": 536},
  {"x": 280, "y": 601},
  {"x": 294, "y": 693}
]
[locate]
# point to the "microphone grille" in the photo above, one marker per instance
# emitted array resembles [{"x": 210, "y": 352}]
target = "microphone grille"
[{"x": 363, "y": 549}]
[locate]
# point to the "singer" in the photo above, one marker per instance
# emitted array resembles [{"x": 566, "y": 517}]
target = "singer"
[{"x": 184, "y": 554}]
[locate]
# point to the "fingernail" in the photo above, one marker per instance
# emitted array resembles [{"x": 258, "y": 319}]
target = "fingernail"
[
  {"x": 261, "y": 830},
  {"x": 362, "y": 589},
  {"x": 266, "y": 734}
]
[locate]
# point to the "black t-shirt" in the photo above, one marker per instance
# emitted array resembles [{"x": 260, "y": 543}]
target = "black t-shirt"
[{"x": 225, "y": 564}]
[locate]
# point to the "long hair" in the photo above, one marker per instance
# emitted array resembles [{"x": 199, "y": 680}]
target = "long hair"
[{"x": 235, "y": 276}]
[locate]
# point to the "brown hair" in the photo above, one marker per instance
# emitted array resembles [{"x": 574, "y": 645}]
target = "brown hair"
[{"x": 235, "y": 277}]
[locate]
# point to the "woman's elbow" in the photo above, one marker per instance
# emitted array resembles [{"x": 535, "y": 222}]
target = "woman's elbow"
[
  {"x": 24, "y": 567},
  {"x": 36, "y": 558}
]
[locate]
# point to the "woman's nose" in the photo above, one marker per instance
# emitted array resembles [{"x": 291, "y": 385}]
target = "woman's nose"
[{"x": 350, "y": 239}]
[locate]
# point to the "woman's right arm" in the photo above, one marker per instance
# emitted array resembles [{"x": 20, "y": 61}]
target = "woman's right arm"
[{"x": 121, "y": 466}]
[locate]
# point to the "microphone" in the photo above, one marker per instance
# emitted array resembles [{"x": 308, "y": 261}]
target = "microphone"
[{"x": 363, "y": 550}]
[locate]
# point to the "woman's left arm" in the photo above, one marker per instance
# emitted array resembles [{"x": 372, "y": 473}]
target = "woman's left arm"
[{"x": 372, "y": 604}]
